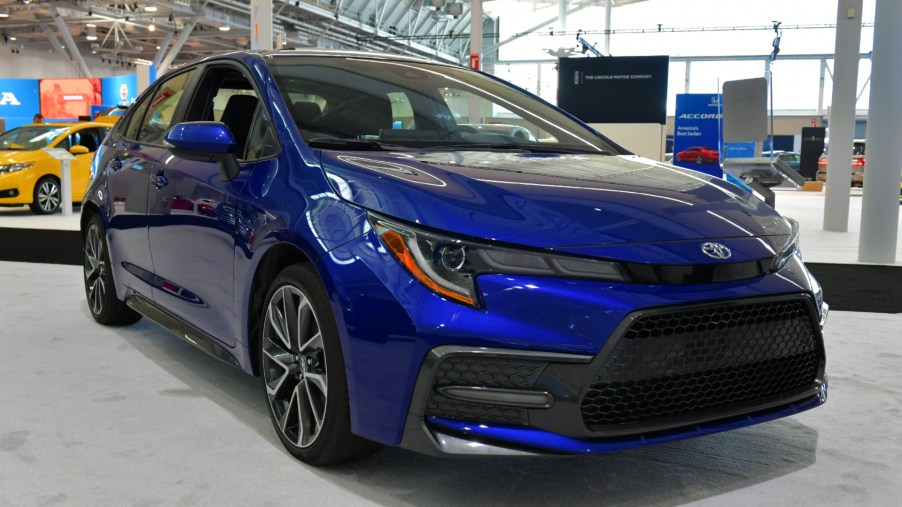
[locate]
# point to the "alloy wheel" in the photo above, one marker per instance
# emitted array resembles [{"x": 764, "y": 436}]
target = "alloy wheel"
[
  {"x": 294, "y": 366},
  {"x": 95, "y": 269},
  {"x": 49, "y": 196}
]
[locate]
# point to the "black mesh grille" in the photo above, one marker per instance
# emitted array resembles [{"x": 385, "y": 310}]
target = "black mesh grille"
[
  {"x": 680, "y": 362},
  {"x": 442, "y": 406},
  {"x": 485, "y": 372}
]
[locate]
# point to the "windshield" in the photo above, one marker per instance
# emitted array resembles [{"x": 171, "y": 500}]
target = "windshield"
[
  {"x": 420, "y": 105},
  {"x": 30, "y": 138}
]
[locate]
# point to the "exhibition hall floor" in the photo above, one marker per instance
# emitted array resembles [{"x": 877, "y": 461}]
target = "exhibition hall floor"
[{"x": 134, "y": 416}]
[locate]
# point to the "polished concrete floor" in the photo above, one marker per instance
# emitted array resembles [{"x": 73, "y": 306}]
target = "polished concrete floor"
[{"x": 96, "y": 416}]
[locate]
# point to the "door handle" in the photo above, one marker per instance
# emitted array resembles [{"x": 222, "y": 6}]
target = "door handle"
[
  {"x": 116, "y": 163},
  {"x": 159, "y": 180}
]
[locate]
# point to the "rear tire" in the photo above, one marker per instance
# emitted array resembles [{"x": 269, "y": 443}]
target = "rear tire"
[
  {"x": 100, "y": 289},
  {"x": 47, "y": 196},
  {"x": 303, "y": 372}
]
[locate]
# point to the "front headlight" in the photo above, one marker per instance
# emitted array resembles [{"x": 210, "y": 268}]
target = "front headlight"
[
  {"x": 790, "y": 248},
  {"x": 449, "y": 266},
  {"x": 11, "y": 168}
]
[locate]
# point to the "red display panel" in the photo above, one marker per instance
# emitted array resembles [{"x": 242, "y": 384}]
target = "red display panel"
[{"x": 69, "y": 98}]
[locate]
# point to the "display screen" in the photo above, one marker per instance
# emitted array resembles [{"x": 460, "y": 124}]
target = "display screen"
[
  {"x": 623, "y": 89},
  {"x": 69, "y": 98}
]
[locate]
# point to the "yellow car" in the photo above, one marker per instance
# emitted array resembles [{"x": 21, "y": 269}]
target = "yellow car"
[{"x": 29, "y": 175}]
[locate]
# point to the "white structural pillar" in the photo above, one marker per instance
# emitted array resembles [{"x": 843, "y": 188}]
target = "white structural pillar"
[
  {"x": 880, "y": 206},
  {"x": 475, "y": 49},
  {"x": 607, "y": 27},
  {"x": 261, "y": 25},
  {"x": 562, "y": 14},
  {"x": 143, "y": 74},
  {"x": 842, "y": 115}
]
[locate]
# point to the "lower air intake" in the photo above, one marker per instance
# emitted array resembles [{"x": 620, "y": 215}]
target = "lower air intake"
[{"x": 680, "y": 363}]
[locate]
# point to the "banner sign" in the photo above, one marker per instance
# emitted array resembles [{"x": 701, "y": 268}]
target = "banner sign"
[
  {"x": 69, "y": 98},
  {"x": 623, "y": 89},
  {"x": 19, "y": 101},
  {"x": 696, "y": 134},
  {"x": 120, "y": 90}
]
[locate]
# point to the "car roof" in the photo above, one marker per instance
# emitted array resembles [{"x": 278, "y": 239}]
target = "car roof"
[{"x": 319, "y": 53}]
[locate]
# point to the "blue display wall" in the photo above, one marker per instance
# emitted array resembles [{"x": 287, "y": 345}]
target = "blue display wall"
[{"x": 19, "y": 101}]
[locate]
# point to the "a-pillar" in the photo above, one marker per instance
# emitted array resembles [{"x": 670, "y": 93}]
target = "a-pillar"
[
  {"x": 880, "y": 206},
  {"x": 842, "y": 115},
  {"x": 261, "y": 25}
]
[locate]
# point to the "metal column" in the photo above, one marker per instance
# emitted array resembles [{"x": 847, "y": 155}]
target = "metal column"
[
  {"x": 475, "y": 49},
  {"x": 842, "y": 115},
  {"x": 261, "y": 24},
  {"x": 607, "y": 27},
  {"x": 880, "y": 206}
]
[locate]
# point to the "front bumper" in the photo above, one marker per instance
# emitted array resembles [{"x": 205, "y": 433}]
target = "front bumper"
[{"x": 666, "y": 374}]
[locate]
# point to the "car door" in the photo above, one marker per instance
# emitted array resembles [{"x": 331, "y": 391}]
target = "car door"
[
  {"x": 193, "y": 222},
  {"x": 131, "y": 157},
  {"x": 90, "y": 138}
]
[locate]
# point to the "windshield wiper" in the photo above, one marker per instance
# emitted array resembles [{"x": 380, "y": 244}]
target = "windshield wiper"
[{"x": 352, "y": 144}]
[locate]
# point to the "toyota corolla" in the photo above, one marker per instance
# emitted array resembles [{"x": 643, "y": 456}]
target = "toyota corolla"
[{"x": 329, "y": 222}]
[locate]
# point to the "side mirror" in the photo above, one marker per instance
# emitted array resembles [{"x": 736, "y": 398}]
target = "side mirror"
[
  {"x": 78, "y": 150},
  {"x": 208, "y": 137},
  {"x": 205, "y": 140}
]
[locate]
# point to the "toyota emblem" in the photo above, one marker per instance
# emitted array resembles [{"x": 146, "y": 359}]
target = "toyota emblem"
[{"x": 716, "y": 251}]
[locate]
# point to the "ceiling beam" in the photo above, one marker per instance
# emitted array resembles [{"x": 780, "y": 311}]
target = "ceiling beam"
[
  {"x": 70, "y": 43},
  {"x": 55, "y": 44},
  {"x": 174, "y": 51}
]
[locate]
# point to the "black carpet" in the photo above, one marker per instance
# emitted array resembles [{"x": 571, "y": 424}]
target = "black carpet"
[
  {"x": 37, "y": 245},
  {"x": 860, "y": 288},
  {"x": 850, "y": 287}
]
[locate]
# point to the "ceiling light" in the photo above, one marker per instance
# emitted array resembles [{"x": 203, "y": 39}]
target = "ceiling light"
[
  {"x": 4, "y": 13},
  {"x": 92, "y": 33},
  {"x": 151, "y": 27},
  {"x": 12, "y": 37},
  {"x": 225, "y": 28},
  {"x": 150, "y": 8}
]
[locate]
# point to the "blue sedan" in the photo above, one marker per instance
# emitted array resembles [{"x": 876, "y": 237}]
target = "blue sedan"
[{"x": 332, "y": 222}]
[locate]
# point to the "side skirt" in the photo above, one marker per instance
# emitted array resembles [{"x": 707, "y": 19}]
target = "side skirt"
[{"x": 182, "y": 329}]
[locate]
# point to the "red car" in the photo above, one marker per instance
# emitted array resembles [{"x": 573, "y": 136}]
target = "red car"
[{"x": 699, "y": 155}]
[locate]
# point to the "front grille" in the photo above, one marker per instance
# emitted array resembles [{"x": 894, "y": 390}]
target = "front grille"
[
  {"x": 483, "y": 372},
  {"x": 681, "y": 363}
]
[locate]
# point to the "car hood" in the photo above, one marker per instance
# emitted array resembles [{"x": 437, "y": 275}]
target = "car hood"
[
  {"x": 17, "y": 156},
  {"x": 552, "y": 200}
]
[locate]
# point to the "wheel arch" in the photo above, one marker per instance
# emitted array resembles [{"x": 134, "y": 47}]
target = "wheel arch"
[
  {"x": 88, "y": 210},
  {"x": 276, "y": 258}
]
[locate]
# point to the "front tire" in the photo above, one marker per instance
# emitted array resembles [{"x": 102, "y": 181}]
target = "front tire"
[
  {"x": 47, "y": 196},
  {"x": 303, "y": 372},
  {"x": 100, "y": 289}
]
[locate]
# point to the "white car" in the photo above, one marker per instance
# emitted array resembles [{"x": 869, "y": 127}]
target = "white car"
[{"x": 502, "y": 129}]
